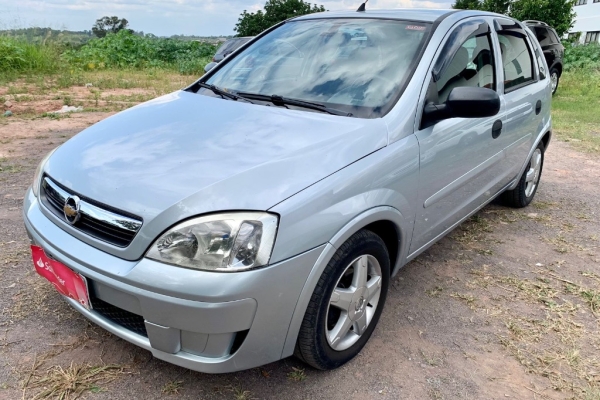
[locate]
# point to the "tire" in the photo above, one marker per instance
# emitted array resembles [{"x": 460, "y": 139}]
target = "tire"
[
  {"x": 322, "y": 319},
  {"x": 523, "y": 194},
  {"x": 554, "y": 74}
]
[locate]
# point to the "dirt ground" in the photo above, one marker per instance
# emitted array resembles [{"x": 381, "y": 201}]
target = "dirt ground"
[{"x": 506, "y": 306}]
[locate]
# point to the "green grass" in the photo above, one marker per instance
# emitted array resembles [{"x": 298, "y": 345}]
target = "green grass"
[
  {"x": 126, "y": 50},
  {"x": 575, "y": 110},
  {"x": 47, "y": 35},
  {"x": 578, "y": 57},
  {"x": 156, "y": 80},
  {"x": 20, "y": 57},
  {"x": 121, "y": 51},
  {"x": 96, "y": 91}
]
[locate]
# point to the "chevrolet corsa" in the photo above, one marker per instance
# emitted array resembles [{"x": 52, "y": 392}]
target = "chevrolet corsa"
[{"x": 261, "y": 212}]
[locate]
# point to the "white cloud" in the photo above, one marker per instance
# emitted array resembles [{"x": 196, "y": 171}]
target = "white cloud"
[{"x": 161, "y": 17}]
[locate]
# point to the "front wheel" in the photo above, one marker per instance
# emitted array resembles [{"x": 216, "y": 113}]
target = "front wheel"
[
  {"x": 346, "y": 304},
  {"x": 523, "y": 194}
]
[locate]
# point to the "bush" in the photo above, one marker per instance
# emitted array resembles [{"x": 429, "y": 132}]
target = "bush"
[
  {"x": 582, "y": 56},
  {"x": 127, "y": 50},
  {"x": 18, "y": 56}
]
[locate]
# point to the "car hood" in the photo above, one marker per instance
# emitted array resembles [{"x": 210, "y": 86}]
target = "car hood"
[{"x": 186, "y": 154}]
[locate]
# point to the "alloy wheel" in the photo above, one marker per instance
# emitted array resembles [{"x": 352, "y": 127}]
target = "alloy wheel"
[
  {"x": 532, "y": 177},
  {"x": 353, "y": 302},
  {"x": 554, "y": 81}
]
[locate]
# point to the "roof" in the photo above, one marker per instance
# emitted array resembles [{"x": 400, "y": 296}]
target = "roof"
[
  {"x": 411, "y": 14},
  {"x": 534, "y": 22}
]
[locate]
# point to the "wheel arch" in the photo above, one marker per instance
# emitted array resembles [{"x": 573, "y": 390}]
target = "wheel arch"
[
  {"x": 558, "y": 66},
  {"x": 546, "y": 139},
  {"x": 385, "y": 221},
  {"x": 390, "y": 234},
  {"x": 544, "y": 136}
]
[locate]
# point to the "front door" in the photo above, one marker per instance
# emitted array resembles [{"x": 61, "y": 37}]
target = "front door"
[{"x": 461, "y": 160}]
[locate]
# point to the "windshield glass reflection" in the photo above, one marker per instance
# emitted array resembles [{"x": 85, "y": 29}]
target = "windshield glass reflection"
[{"x": 355, "y": 65}]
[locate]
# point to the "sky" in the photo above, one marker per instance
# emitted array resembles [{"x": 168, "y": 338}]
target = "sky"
[{"x": 161, "y": 17}]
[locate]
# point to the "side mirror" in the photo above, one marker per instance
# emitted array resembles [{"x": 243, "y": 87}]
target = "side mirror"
[
  {"x": 463, "y": 102},
  {"x": 209, "y": 66}
]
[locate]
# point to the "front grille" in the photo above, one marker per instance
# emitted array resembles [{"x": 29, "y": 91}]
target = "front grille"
[
  {"x": 126, "y": 319},
  {"x": 98, "y": 221}
]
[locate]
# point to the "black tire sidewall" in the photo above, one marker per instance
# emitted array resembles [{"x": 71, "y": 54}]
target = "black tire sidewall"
[
  {"x": 523, "y": 184},
  {"x": 369, "y": 245},
  {"x": 555, "y": 71}
]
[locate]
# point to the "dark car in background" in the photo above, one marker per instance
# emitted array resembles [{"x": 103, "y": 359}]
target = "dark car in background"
[
  {"x": 228, "y": 47},
  {"x": 552, "y": 48}
]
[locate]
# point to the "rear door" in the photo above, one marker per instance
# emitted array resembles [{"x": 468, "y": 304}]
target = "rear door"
[
  {"x": 461, "y": 160},
  {"x": 526, "y": 91}
]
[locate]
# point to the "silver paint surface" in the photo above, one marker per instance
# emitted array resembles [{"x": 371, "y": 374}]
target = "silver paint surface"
[{"x": 326, "y": 176}]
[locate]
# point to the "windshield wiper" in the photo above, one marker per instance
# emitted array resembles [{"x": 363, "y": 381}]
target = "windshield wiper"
[
  {"x": 283, "y": 101},
  {"x": 224, "y": 94}
]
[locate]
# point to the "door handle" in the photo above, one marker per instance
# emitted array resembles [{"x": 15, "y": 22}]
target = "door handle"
[
  {"x": 496, "y": 129},
  {"x": 538, "y": 107}
]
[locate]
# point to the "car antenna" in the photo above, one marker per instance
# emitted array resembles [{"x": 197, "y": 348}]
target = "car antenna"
[{"x": 362, "y": 6}]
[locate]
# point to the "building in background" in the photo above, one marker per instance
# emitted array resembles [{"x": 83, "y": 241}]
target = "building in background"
[{"x": 587, "y": 22}]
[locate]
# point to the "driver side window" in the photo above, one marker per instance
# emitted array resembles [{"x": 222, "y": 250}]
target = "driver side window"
[{"x": 472, "y": 65}]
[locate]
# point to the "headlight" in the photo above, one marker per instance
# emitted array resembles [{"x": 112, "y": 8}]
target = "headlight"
[
  {"x": 228, "y": 242},
  {"x": 35, "y": 186}
]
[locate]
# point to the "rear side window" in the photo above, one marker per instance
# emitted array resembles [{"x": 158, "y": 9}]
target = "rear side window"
[
  {"x": 229, "y": 45},
  {"x": 544, "y": 36},
  {"x": 541, "y": 62},
  {"x": 517, "y": 61}
]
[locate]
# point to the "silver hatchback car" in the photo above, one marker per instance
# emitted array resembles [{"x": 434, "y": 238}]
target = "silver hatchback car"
[{"x": 262, "y": 211}]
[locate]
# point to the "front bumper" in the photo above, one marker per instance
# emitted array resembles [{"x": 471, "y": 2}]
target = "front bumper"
[{"x": 205, "y": 321}]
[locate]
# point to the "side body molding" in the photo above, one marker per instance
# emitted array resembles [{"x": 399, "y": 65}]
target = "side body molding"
[
  {"x": 466, "y": 178},
  {"x": 369, "y": 216}
]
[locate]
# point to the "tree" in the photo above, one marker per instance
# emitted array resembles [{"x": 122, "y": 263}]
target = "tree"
[
  {"x": 251, "y": 24},
  {"x": 558, "y": 14},
  {"x": 467, "y": 5},
  {"x": 497, "y": 6},
  {"x": 105, "y": 25}
]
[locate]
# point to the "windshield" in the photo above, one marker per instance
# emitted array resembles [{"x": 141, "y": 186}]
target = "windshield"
[{"x": 358, "y": 66}]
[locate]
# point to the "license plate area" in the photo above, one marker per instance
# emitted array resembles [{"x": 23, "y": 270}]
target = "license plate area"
[{"x": 68, "y": 282}]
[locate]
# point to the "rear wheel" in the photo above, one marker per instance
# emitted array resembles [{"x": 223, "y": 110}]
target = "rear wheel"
[
  {"x": 554, "y": 78},
  {"x": 346, "y": 304},
  {"x": 523, "y": 194}
]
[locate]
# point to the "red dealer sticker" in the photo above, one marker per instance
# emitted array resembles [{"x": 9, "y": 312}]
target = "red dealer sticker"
[
  {"x": 68, "y": 282},
  {"x": 415, "y": 27}
]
